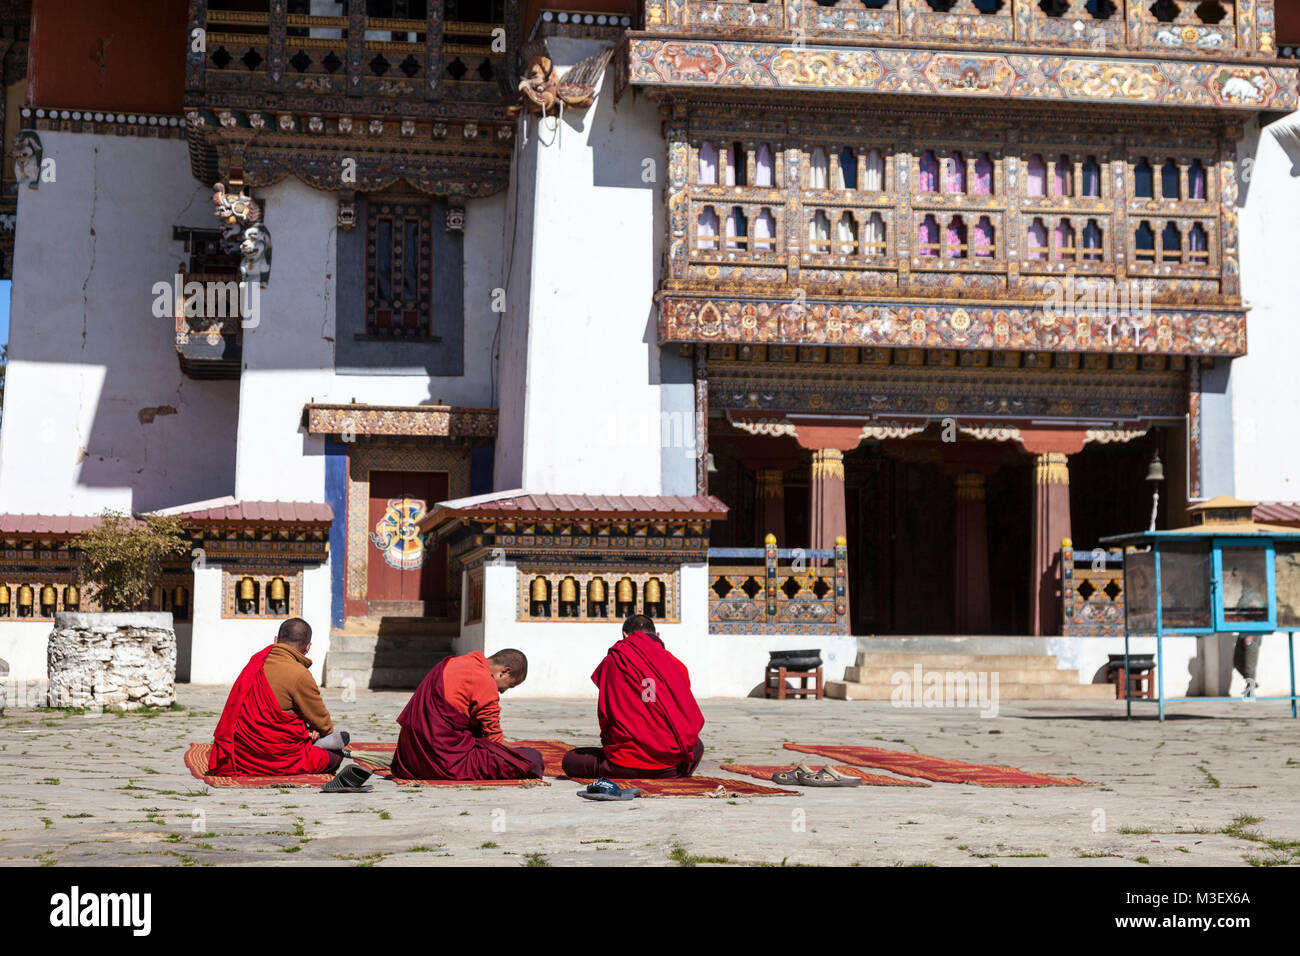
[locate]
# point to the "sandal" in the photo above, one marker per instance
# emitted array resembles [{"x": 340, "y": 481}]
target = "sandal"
[
  {"x": 348, "y": 780},
  {"x": 826, "y": 777},
  {"x": 605, "y": 789},
  {"x": 787, "y": 777}
]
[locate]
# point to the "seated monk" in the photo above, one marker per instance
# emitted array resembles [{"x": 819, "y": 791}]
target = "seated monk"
[
  {"x": 451, "y": 728},
  {"x": 275, "y": 714},
  {"x": 649, "y": 721}
]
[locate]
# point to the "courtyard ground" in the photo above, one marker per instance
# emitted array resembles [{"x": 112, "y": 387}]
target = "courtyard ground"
[{"x": 1215, "y": 785}]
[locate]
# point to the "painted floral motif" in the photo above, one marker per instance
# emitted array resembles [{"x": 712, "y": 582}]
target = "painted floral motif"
[{"x": 397, "y": 534}]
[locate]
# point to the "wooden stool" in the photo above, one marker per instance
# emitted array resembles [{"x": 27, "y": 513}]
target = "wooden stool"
[
  {"x": 780, "y": 691},
  {"x": 1140, "y": 683}
]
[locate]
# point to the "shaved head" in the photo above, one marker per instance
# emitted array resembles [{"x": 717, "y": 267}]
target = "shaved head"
[
  {"x": 295, "y": 632},
  {"x": 513, "y": 659}
]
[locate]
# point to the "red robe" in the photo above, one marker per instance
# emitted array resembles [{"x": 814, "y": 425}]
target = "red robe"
[
  {"x": 438, "y": 742},
  {"x": 649, "y": 719},
  {"x": 254, "y": 736}
]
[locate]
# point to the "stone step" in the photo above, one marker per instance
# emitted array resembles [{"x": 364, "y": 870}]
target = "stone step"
[
  {"x": 375, "y": 678},
  {"x": 847, "y": 690},
  {"x": 385, "y": 625},
  {"x": 1033, "y": 675},
  {"x": 903, "y": 659},
  {"x": 395, "y": 643}
]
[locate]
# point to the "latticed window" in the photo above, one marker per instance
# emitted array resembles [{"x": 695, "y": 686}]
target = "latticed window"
[{"x": 399, "y": 239}]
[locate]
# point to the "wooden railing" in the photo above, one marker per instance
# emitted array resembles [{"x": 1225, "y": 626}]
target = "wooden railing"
[
  {"x": 1092, "y": 592},
  {"x": 1184, "y": 27},
  {"x": 773, "y": 590},
  {"x": 352, "y": 56}
]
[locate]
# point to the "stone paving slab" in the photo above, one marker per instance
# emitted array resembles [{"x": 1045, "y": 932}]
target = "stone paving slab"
[{"x": 113, "y": 791}]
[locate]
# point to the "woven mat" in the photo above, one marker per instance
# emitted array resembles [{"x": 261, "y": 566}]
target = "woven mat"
[{"x": 937, "y": 769}]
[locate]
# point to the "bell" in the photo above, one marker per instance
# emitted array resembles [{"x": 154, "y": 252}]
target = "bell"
[
  {"x": 277, "y": 589},
  {"x": 247, "y": 592},
  {"x": 25, "y": 595},
  {"x": 626, "y": 591},
  {"x": 72, "y": 597},
  {"x": 1156, "y": 471},
  {"x": 596, "y": 591},
  {"x": 654, "y": 591},
  {"x": 568, "y": 591},
  {"x": 180, "y": 597},
  {"x": 49, "y": 596},
  {"x": 539, "y": 589}
]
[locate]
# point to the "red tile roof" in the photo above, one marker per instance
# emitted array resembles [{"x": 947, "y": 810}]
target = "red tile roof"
[
  {"x": 609, "y": 507},
  {"x": 1278, "y": 512},
  {"x": 241, "y": 512},
  {"x": 262, "y": 512}
]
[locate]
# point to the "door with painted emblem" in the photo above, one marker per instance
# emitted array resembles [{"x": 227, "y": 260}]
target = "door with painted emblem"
[{"x": 399, "y": 568}]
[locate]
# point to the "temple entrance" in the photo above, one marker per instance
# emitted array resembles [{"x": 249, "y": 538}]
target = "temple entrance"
[
  {"x": 401, "y": 574},
  {"x": 940, "y": 533}
]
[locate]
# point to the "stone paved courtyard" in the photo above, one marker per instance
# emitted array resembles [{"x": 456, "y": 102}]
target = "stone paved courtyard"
[{"x": 113, "y": 791}]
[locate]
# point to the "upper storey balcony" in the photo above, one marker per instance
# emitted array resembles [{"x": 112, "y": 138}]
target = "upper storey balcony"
[{"x": 1221, "y": 54}]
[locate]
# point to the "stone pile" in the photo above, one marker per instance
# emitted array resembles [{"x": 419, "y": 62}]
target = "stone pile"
[{"x": 112, "y": 661}]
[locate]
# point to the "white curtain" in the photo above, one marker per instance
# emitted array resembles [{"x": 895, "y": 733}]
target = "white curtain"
[
  {"x": 875, "y": 175},
  {"x": 817, "y": 169},
  {"x": 764, "y": 167},
  {"x": 735, "y": 228},
  {"x": 707, "y": 229},
  {"x": 819, "y": 230},
  {"x": 846, "y": 231},
  {"x": 708, "y": 165},
  {"x": 765, "y": 229},
  {"x": 729, "y": 174},
  {"x": 874, "y": 232}
]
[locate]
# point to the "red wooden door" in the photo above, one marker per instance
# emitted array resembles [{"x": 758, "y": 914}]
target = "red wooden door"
[{"x": 399, "y": 567}]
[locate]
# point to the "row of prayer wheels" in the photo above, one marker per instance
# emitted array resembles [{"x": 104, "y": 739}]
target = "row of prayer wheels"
[
  {"x": 44, "y": 599},
  {"x": 625, "y": 597},
  {"x": 277, "y": 595}
]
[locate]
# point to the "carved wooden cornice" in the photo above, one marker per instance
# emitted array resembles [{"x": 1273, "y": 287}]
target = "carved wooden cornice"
[{"x": 445, "y": 421}]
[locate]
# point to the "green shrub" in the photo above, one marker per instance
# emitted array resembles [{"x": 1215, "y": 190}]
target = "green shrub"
[{"x": 122, "y": 558}]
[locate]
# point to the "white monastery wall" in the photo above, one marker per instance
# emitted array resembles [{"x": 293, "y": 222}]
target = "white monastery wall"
[
  {"x": 591, "y": 421},
  {"x": 97, "y": 412}
]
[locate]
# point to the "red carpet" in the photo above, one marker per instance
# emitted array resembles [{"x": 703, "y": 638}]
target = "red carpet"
[
  {"x": 196, "y": 759},
  {"x": 765, "y": 771},
  {"x": 694, "y": 787},
  {"x": 936, "y": 768}
]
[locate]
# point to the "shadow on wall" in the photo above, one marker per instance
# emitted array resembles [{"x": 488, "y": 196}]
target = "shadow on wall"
[{"x": 1287, "y": 134}]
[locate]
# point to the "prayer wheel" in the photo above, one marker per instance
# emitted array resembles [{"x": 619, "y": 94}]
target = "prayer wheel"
[
  {"x": 72, "y": 598},
  {"x": 540, "y": 594},
  {"x": 568, "y": 591},
  {"x": 25, "y": 596},
  {"x": 596, "y": 591},
  {"x": 156, "y": 597},
  {"x": 626, "y": 591},
  {"x": 49, "y": 596},
  {"x": 539, "y": 589},
  {"x": 277, "y": 590},
  {"x": 5, "y": 595},
  {"x": 654, "y": 591},
  {"x": 180, "y": 598},
  {"x": 247, "y": 591}
]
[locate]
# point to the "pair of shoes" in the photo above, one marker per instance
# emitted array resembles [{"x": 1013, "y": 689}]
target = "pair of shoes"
[
  {"x": 1251, "y": 685},
  {"x": 348, "y": 780},
  {"x": 606, "y": 789},
  {"x": 805, "y": 776}
]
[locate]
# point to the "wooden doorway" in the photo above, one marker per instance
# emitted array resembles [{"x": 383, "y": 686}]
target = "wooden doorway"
[{"x": 402, "y": 575}]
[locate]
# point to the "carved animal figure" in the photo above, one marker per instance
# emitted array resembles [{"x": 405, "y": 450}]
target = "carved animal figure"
[
  {"x": 27, "y": 159},
  {"x": 544, "y": 93},
  {"x": 254, "y": 254},
  {"x": 1238, "y": 89},
  {"x": 236, "y": 211}
]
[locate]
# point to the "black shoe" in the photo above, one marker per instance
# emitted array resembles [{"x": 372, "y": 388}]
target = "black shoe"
[{"x": 349, "y": 780}]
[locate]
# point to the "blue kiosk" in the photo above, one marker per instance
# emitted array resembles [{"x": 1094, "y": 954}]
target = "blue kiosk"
[{"x": 1224, "y": 573}]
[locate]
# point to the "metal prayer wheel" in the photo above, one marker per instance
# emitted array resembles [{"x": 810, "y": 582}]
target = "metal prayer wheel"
[
  {"x": 654, "y": 591},
  {"x": 180, "y": 598},
  {"x": 156, "y": 597},
  {"x": 5, "y": 597},
  {"x": 625, "y": 596},
  {"x": 25, "y": 596},
  {"x": 49, "y": 597},
  {"x": 597, "y": 598},
  {"x": 276, "y": 589},
  {"x": 247, "y": 591},
  {"x": 540, "y": 597},
  {"x": 568, "y": 591},
  {"x": 72, "y": 598}
]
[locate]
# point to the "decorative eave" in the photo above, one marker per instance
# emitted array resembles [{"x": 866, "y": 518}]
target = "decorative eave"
[
  {"x": 518, "y": 506},
  {"x": 654, "y": 62},
  {"x": 425, "y": 421},
  {"x": 968, "y": 325}
]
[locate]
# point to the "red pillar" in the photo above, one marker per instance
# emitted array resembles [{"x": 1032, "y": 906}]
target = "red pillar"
[
  {"x": 829, "y": 518},
  {"x": 973, "y": 614},
  {"x": 1051, "y": 525}
]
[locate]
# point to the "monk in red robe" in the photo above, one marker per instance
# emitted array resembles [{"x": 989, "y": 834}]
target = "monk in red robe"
[
  {"x": 275, "y": 714},
  {"x": 649, "y": 721},
  {"x": 451, "y": 728}
]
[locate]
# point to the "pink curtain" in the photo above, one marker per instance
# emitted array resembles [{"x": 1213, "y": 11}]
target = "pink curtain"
[
  {"x": 1092, "y": 241},
  {"x": 764, "y": 231},
  {"x": 1091, "y": 177},
  {"x": 956, "y": 173},
  {"x": 707, "y": 229},
  {"x": 927, "y": 235},
  {"x": 983, "y": 175},
  {"x": 1196, "y": 180},
  {"x": 1064, "y": 239},
  {"x": 764, "y": 167},
  {"x": 956, "y": 238},
  {"x": 929, "y": 181},
  {"x": 1197, "y": 240},
  {"x": 983, "y": 238},
  {"x": 1064, "y": 176},
  {"x": 1036, "y": 180},
  {"x": 708, "y": 165}
]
